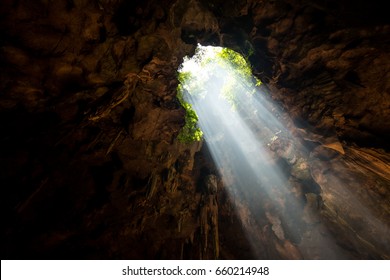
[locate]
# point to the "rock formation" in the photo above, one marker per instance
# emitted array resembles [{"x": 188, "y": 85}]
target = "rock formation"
[{"x": 90, "y": 164}]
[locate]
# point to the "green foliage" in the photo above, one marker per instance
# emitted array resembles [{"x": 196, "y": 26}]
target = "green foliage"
[
  {"x": 242, "y": 80},
  {"x": 236, "y": 62},
  {"x": 219, "y": 70},
  {"x": 249, "y": 50},
  {"x": 183, "y": 77},
  {"x": 190, "y": 132}
]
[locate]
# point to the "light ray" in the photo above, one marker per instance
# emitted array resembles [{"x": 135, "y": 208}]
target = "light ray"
[{"x": 239, "y": 125}]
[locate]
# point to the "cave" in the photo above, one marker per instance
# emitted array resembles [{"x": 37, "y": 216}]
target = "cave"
[{"x": 92, "y": 165}]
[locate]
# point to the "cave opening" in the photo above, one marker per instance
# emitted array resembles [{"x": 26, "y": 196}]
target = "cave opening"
[
  {"x": 90, "y": 118},
  {"x": 252, "y": 148}
]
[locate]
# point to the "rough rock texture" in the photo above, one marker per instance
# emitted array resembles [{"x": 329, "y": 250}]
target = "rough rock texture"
[{"x": 90, "y": 164}]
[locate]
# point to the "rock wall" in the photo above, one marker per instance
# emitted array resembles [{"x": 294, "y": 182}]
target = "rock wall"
[{"x": 91, "y": 167}]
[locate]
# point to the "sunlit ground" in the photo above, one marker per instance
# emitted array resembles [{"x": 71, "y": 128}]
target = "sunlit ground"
[{"x": 241, "y": 127}]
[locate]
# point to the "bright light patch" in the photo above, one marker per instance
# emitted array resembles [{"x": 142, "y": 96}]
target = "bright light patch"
[
  {"x": 241, "y": 127},
  {"x": 194, "y": 65}
]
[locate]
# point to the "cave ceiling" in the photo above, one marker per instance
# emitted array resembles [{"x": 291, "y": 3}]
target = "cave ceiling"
[{"x": 90, "y": 163}]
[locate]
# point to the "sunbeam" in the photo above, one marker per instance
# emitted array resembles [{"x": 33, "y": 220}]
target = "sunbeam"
[{"x": 242, "y": 129}]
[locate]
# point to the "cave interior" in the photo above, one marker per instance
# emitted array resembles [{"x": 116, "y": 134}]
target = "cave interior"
[{"x": 91, "y": 163}]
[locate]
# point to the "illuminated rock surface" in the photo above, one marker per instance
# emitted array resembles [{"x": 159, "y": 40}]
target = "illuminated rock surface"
[{"x": 90, "y": 164}]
